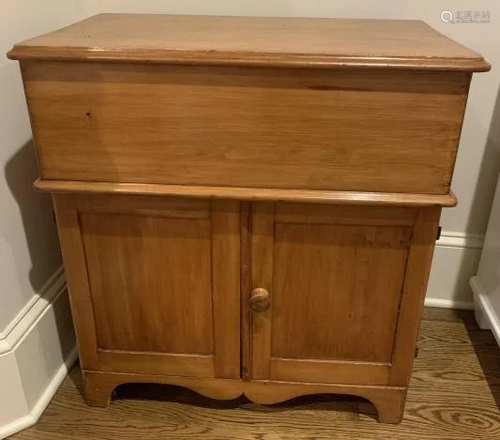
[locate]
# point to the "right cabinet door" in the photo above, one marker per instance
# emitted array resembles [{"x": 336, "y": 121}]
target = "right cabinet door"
[{"x": 336, "y": 292}]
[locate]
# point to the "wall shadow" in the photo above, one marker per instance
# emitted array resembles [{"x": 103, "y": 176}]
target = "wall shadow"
[
  {"x": 37, "y": 215},
  {"x": 488, "y": 353}
]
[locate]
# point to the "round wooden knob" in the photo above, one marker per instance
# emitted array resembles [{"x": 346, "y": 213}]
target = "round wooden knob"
[{"x": 259, "y": 300}]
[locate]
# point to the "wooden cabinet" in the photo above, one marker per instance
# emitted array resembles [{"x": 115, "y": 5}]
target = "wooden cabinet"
[{"x": 247, "y": 205}]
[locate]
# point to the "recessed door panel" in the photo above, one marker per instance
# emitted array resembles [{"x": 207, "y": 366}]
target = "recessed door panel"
[
  {"x": 150, "y": 282},
  {"x": 337, "y": 290}
]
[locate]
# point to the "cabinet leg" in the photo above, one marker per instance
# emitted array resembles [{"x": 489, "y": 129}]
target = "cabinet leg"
[
  {"x": 390, "y": 406},
  {"x": 98, "y": 390}
]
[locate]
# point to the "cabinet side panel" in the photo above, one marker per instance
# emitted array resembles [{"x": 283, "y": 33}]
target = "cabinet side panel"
[
  {"x": 415, "y": 286},
  {"x": 77, "y": 278}
]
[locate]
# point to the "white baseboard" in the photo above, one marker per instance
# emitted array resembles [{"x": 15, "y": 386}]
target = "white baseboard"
[
  {"x": 36, "y": 352},
  {"x": 32, "y": 417},
  {"x": 21, "y": 323},
  {"x": 486, "y": 314},
  {"x": 455, "y": 261},
  {"x": 449, "y": 304},
  {"x": 54, "y": 385}
]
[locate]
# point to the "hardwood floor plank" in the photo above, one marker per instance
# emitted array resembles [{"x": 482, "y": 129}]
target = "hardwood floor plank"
[{"x": 448, "y": 315}]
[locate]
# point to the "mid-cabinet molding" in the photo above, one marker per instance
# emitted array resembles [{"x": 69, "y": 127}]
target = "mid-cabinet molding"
[{"x": 263, "y": 194}]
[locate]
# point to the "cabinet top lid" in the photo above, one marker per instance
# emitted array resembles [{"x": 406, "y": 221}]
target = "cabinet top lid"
[{"x": 246, "y": 41}]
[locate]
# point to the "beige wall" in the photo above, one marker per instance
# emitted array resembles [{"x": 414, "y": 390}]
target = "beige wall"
[
  {"x": 29, "y": 252},
  {"x": 478, "y": 162}
]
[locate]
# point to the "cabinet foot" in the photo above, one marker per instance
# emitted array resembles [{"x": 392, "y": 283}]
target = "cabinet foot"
[
  {"x": 390, "y": 406},
  {"x": 98, "y": 389}
]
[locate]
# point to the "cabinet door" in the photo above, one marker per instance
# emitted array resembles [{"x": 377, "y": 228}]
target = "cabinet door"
[
  {"x": 345, "y": 286},
  {"x": 154, "y": 283}
]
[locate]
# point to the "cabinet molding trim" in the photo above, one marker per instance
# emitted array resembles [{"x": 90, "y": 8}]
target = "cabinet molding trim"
[
  {"x": 385, "y": 398},
  {"x": 270, "y": 194}
]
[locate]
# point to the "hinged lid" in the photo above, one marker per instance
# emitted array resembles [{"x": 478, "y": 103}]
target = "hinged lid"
[{"x": 244, "y": 41}]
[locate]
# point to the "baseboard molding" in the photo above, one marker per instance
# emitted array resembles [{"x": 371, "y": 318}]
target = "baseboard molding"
[
  {"x": 449, "y": 304},
  {"x": 36, "y": 352},
  {"x": 484, "y": 309},
  {"x": 455, "y": 261},
  {"x": 54, "y": 384},
  {"x": 460, "y": 240},
  {"x": 21, "y": 323},
  {"x": 32, "y": 417}
]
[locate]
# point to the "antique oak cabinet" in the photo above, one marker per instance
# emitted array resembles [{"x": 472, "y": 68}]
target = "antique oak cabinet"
[{"x": 247, "y": 205}]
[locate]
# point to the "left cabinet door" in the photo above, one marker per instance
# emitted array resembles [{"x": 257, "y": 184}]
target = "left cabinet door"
[{"x": 154, "y": 283}]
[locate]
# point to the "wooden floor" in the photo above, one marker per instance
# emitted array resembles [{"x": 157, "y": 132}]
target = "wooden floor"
[{"x": 454, "y": 394}]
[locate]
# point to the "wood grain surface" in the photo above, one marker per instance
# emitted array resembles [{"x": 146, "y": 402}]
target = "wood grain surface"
[
  {"x": 261, "y": 274},
  {"x": 155, "y": 282},
  {"x": 305, "y": 196},
  {"x": 418, "y": 268},
  {"x": 328, "y": 280},
  {"x": 253, "y": 41},
  {"x": 454, "y": 395},
  {"x": 247, "y": 127},
  {"x": 347, "y": 285},
  {"x": 133, "y": 262},
  {"x": 389, "y": 401}
]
